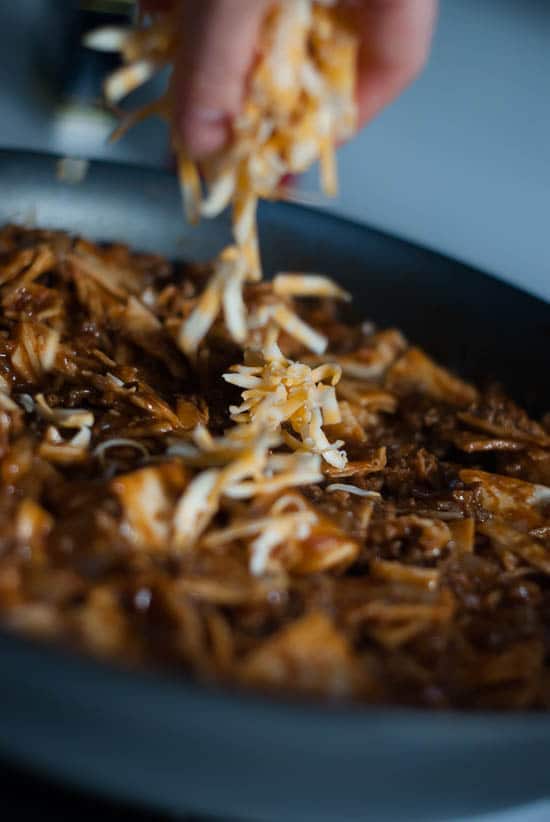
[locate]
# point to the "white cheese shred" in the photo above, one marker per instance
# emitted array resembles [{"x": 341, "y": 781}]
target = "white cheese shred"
[{"x": 353, "y": 489}]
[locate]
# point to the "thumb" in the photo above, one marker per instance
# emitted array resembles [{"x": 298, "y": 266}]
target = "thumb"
[{"x": 217, "y": 49}]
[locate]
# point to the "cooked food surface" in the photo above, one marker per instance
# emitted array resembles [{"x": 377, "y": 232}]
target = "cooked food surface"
[{"x": 362, "y": 525}]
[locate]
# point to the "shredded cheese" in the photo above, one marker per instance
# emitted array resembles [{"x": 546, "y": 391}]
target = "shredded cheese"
[
  {"x": 279, "y": 392},
  {"x": 353, "y": 489},
  {"x": 118, "y": 442},
  {"x": 300, "y": 104},
  {"x": 27, "y": 402},
  {"x": 308, "y": 285},
  {"x": 245, "y": 468},
  {"x": 288, "y": 519},
  {"x": 64, "y": 417},
  {"x": 224, "y": 292}
]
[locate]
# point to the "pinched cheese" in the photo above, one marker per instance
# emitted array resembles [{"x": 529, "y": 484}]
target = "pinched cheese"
[{"x": 300, "y": 104}]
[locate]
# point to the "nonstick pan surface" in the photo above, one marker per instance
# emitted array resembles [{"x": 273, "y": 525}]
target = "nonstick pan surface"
[{"x": 175, "y": 745}]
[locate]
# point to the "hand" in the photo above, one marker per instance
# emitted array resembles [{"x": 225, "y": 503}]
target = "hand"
[{"x": 219, "y": 40}]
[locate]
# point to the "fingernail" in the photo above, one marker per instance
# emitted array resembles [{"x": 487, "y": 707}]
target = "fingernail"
[{"x": 204, "y": 130}]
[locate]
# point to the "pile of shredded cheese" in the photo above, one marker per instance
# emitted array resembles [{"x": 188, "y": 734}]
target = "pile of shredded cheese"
[
  {"x": 278, "y": 392},
  {"x": 300, "y": 103}
]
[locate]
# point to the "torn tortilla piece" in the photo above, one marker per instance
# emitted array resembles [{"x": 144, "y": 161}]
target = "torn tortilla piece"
[
  {"x": 416, "y": 372},
  {"x": 462, "y": 536},
  {"x": 147, "y": 497},
  {"x": 311, "y": 652},
  {"x": 509, "y": 497},
  {"x": 508, "y": 540}
]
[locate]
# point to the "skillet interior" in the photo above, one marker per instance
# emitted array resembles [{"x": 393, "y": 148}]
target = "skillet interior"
[{"x": 180, "y": 746}]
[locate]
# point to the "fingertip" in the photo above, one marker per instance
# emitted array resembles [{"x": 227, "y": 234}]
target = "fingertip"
[
  {"x": 217, "y": 50},
  {"x": 203, "y": 131},
  {"x": 395, "y": 44},
  {"x": 377, "y": 88}
]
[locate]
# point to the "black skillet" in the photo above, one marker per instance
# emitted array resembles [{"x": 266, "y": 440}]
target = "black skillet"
[{"x": 178, "y": 746}]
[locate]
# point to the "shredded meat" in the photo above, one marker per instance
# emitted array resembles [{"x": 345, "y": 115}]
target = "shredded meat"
[{"x": 415, "y": 571}]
